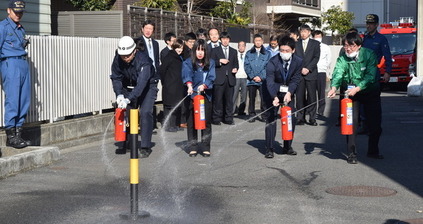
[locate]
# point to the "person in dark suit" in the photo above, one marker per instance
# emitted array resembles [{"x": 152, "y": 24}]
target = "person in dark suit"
[
  {"x": 309, "y": 50},
  {"x": 283, "y": 74},
  {"x": 169, "y": 39},
  {"x": 172, "y": 86},
  {"x": 190, "y": 39},
  {"x": 151, "y": 47},
  {"x": 226, "y": 66},
  {"x": 214, "y": 39}
]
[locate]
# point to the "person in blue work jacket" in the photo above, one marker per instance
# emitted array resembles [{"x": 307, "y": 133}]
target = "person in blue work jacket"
[
  {"x": 15, "y": 74},
  {"x": 199, "y": 73},
  {"x": 135, "y": 86}
]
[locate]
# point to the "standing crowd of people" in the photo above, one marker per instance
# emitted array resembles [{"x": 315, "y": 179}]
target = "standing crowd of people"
[{"x": 292, "y": 70}]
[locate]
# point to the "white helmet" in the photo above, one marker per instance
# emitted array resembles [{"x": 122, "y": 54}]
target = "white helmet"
[{"x": 126, "y": 45}]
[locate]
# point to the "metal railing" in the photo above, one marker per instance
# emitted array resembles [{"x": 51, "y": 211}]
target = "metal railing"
[{"x": 69, "y": 76}]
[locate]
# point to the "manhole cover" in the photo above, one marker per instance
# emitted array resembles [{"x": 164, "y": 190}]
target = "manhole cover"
[
  {"x": 361, "y": 191},
  {"x": 413, "y": 221}
]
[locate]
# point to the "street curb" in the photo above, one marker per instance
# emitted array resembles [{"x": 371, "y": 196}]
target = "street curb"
[{"x": 28, "y": 160}]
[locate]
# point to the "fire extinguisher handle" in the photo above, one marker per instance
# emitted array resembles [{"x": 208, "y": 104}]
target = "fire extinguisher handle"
[{"x": 346, "y": 94}]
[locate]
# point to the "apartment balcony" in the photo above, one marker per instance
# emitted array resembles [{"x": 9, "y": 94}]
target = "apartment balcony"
[{"x": 299, "y": 8}]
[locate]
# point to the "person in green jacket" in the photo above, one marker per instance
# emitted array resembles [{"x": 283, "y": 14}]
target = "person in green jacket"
[{"x": 354, "y": 74}]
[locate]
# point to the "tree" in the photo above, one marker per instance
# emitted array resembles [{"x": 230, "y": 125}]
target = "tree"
[
  {"x": 92, "y": 5},
  {"x": 337, "y": 21},
  {"x": 227, "y": 10},
  {"x": 169, "y": 5}
]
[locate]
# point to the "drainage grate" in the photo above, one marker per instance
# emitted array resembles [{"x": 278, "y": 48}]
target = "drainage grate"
[{"x": 361, "y": 191}]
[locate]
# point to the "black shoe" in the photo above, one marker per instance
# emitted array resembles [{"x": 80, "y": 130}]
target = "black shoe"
[
  {"x": 352, "y": 159},
  {"x": 242, "y": 114},
  {"x": 269, "y": 154},
  {"x": 375, "y": 156},
  {"x": 206, "y": 153},
  {"x": 12, "y": 139},
  {"x": 260, "y": 119},
  {"x": 300, "y": 122},
  {"x": 193, "y": 153},
  {"x": 216, "y": 122},
  {"x": 145, "y": 152},
  {"x": 312, "y": 123},
  {"x": 120, "y": 151},
  {"x": 289, "y": 151},
  {"x": 252, "y": 119},
  {"x": 172, "y": 129},
  {"x": 19, "y": 136},
  {"x": 229, "y": 122}
]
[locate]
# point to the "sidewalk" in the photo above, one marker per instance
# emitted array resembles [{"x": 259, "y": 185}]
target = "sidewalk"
[{"x": 90, "y": 184}]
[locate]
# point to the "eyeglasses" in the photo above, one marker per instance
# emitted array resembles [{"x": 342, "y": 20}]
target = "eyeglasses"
[{"x": 347, "y": 46}]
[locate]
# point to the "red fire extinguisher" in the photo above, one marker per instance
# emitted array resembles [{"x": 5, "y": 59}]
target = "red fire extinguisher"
[
  {"x": 286, "y": 123},
  {"x": 346, "y": 116},
  {"x": 199, "y": 112},
  {"x": 120, "y": 125}
]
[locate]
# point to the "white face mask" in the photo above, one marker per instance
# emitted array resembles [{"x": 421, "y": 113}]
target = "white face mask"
[
  {"x": 352, "y": 54},
  {"x": 285, "y": 56},
  {"x": 318, "y": 39}
]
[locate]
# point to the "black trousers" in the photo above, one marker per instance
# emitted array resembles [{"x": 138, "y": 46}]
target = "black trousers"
[
  {"x": 223, "y": 102},
  {"x": 174, "y": 118},
  {"x": 252, "y": 93},
  {"x": 271, "y": 123},
  {"x": 306, "y": 95},
  {"x": 206, "y": 134},
  {"x": 373, "y": 111}
]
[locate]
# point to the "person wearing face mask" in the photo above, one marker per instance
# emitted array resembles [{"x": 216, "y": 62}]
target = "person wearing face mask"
[
  {"x": 322, "y": 71},
  {"x": 172, "y": 86},
  {"x": 354, "y": 74},
  {"x": 283, "y": 75},
  {"x": 132, "y": 78}
]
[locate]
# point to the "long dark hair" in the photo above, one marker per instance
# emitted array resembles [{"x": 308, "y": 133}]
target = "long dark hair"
[{"x": 200, "y": 44}]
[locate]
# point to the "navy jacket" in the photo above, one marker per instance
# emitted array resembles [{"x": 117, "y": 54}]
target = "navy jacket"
[
  {"x": 199, "y": 77},
  {"x": 275, "y": 74},
  {"x": 139, "y": 73},
  {"x": 379, "y": 44}
]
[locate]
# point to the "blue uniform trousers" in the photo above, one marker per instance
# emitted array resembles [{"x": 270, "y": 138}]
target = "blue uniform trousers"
[{"x": 17, "y": 88}]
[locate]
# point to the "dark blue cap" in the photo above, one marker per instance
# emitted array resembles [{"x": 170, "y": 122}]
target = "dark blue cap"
[{"x": 17, "y": 6}]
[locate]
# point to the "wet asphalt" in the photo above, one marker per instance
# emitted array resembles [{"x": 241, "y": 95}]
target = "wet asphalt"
[{"x": 90, "y": 184}]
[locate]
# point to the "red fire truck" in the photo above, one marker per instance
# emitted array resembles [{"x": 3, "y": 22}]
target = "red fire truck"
[{"x": 402, "y": 38}]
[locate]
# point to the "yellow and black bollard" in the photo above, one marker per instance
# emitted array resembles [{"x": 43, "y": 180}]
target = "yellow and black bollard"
[{"x": 134, "y": 168}]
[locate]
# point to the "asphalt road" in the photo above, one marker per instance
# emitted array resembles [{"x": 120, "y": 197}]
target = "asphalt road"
[{"x": 90, "y": 184}]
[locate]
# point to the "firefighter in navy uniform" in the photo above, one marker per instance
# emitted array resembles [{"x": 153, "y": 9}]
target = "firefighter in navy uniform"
[
  {"x": 135, "y": 85},
  {"x": 15, "y": 74}
]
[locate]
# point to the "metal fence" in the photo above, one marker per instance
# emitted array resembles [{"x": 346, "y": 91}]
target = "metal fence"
[{"x": 69, "y": 75}]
